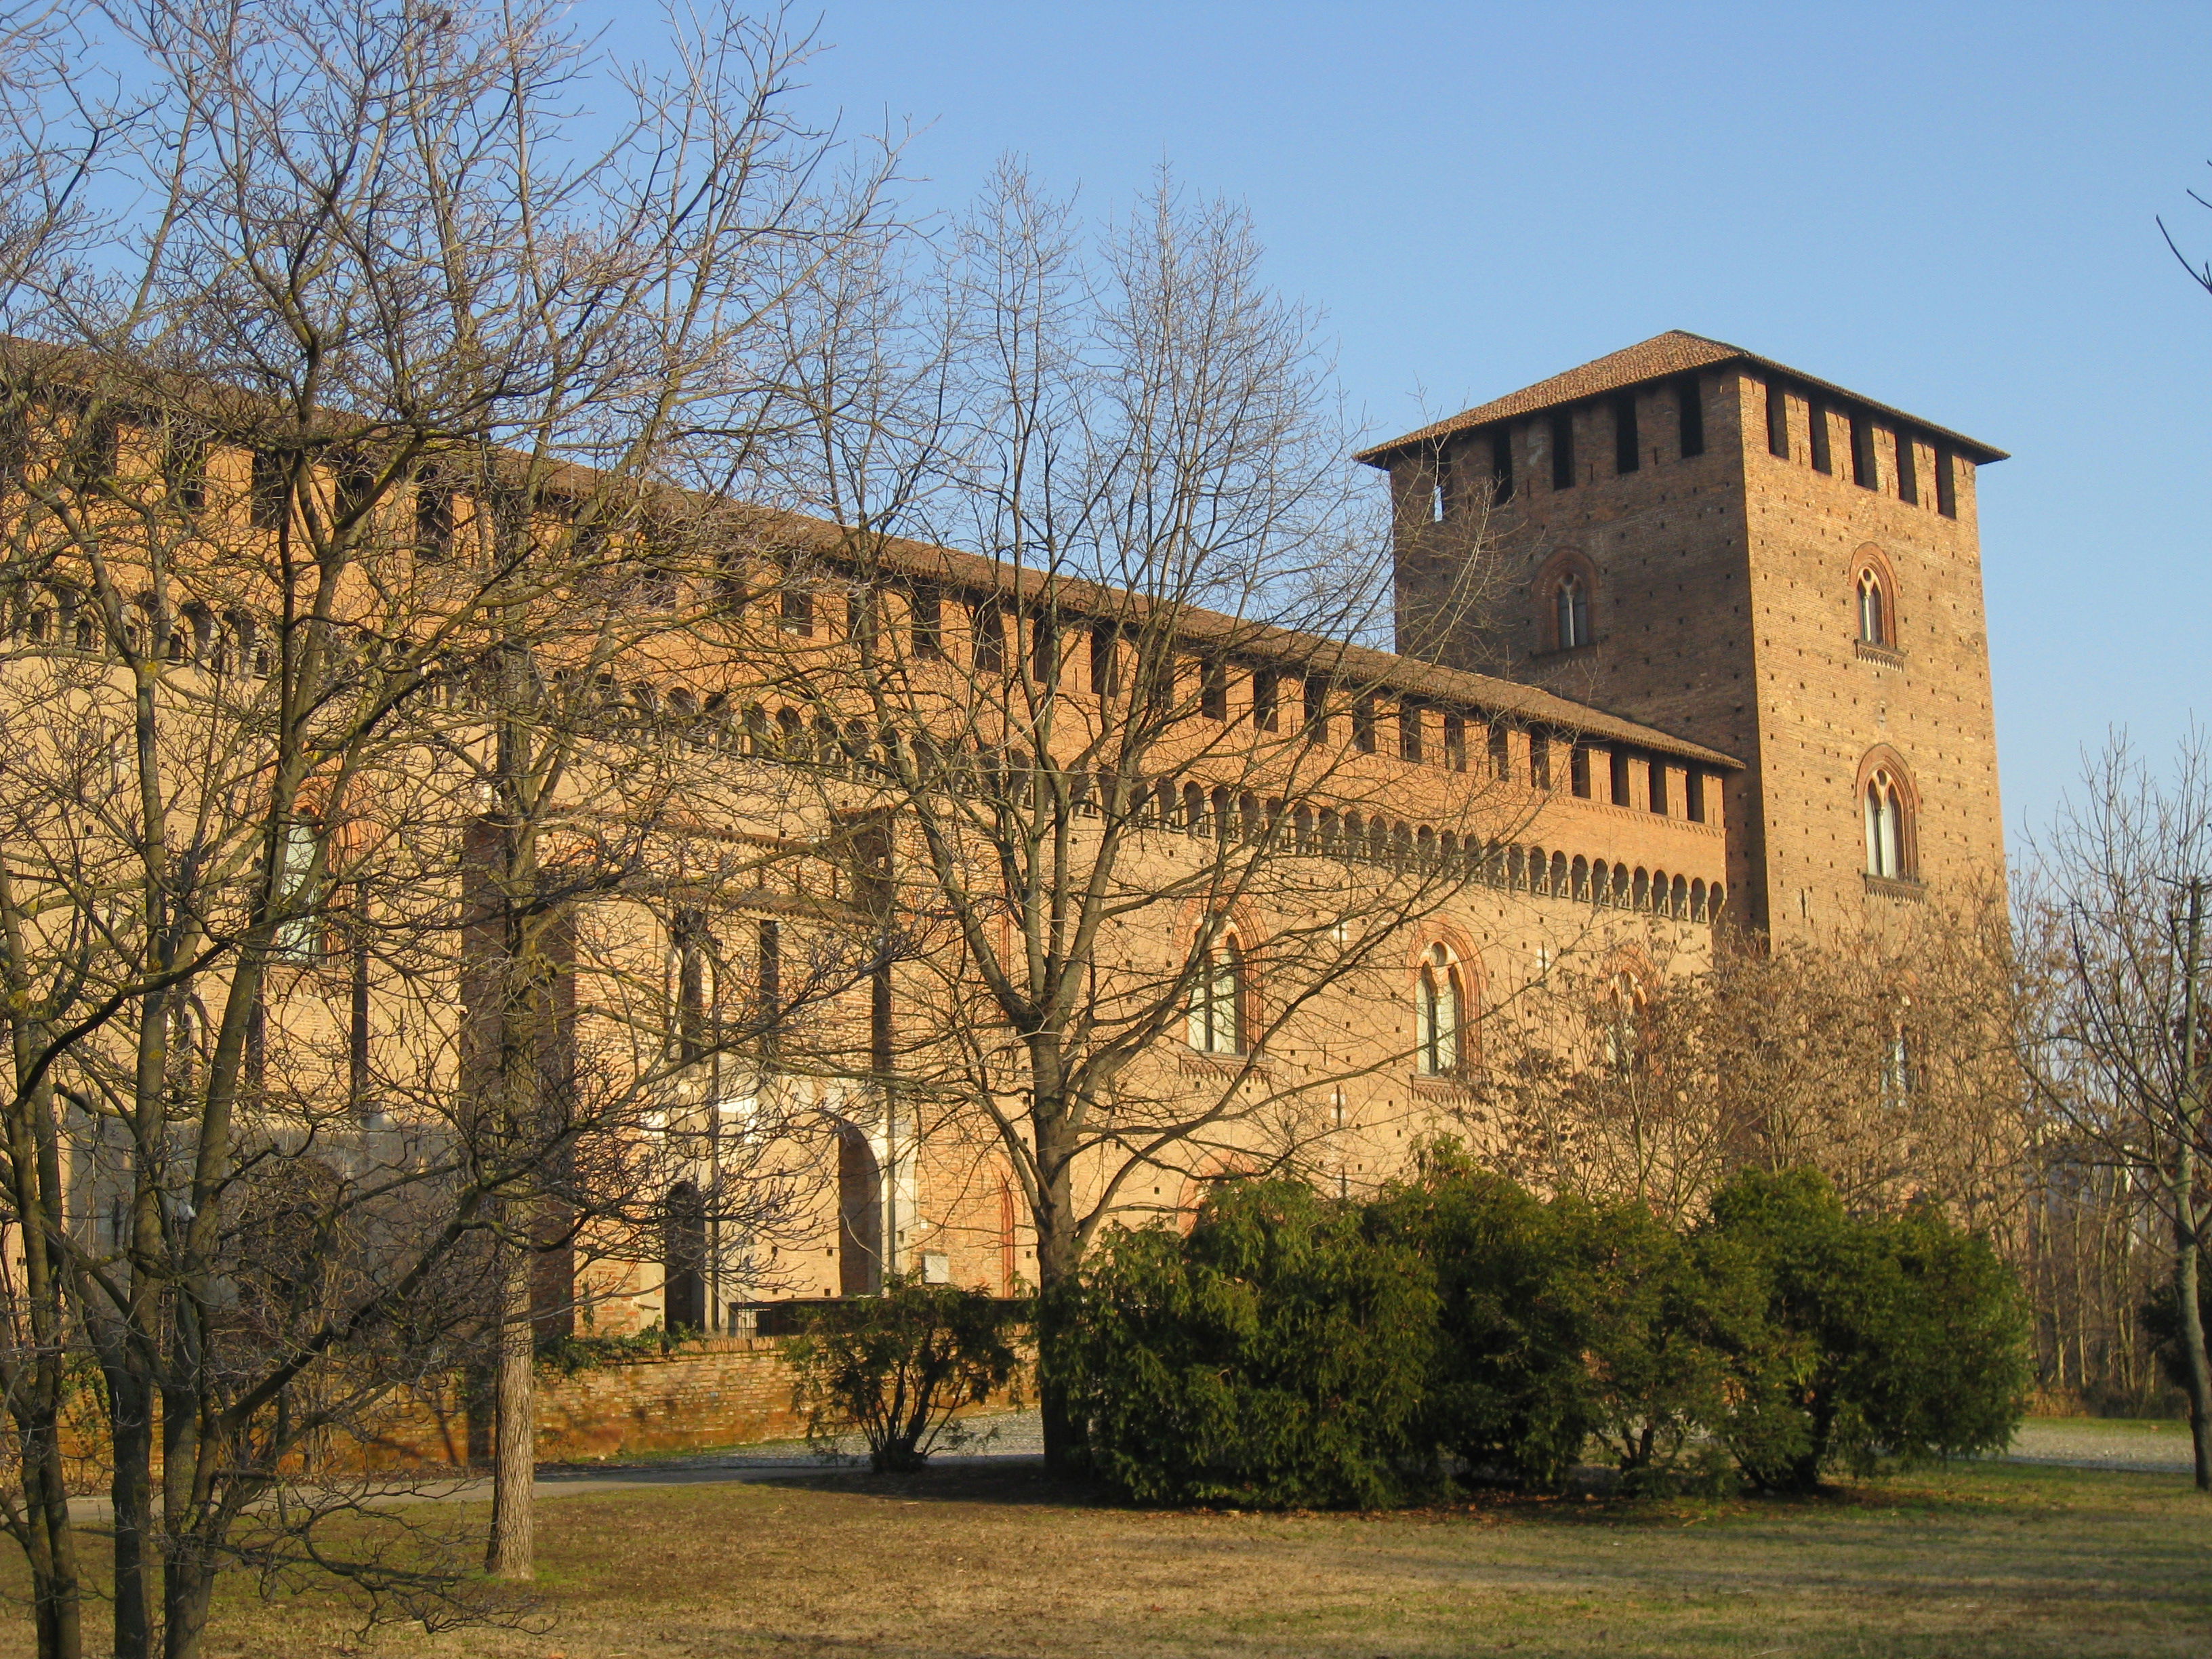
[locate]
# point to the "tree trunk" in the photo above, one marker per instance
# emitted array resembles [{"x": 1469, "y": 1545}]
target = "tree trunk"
[
  {"x": 2188, "y": 1237},
  {"x": 1058, "y": 1254},
  {"x": 2187, "y": 1270},
  {"x": 514, "y": 1455},
  {"x": 130, "y": 1494}
]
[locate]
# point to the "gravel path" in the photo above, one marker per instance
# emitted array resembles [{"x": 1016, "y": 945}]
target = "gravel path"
[{"x": 2104, "y": 1443}]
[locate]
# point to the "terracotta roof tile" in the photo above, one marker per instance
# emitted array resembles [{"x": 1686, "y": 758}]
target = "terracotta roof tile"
[{"x": 1656, "y": 359}]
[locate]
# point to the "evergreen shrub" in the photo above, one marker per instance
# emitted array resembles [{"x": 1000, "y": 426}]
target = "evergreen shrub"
[{"x": 1276, "y": 1356}]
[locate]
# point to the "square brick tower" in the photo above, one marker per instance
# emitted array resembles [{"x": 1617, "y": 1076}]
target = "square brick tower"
[{"x": 1714, "y": 544}]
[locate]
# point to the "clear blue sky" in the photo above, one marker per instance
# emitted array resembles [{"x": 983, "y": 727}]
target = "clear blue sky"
[{"x": 1947, "y": 206}]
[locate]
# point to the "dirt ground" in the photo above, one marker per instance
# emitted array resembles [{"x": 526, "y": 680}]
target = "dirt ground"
[{"x": 1992, "y": 1559}]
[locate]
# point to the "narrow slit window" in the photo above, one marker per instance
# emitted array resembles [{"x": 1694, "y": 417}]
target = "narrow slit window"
[
  {"x": 1947, "y": 485},
  {"x": 1579, "y": 771},
  {"x": 926, "y": 623},
  {"x": 1563, "y": 449},
  {"x": 1690, "y": 403},
  {"x": 1693, "y": 796},
  {"x": 1817, "y": 416},
  {"x": 1362, "y": 725},
  {"x": 1456, "y": 743},
  {"x": 1105, "y": 660},
  {"x": 1501, "y": 755},
  {"x": 1267, "y": 698},
  {"x": 1539, "y": 761},
  {"x": 1411, "y": 744},
  {"x": 1658, "y": 772},
  {"x": 1214, "y": 689},
  {"x": 1777, "y": 420},
  {"x": 1440, "y": 486},
  {"x": 1619, "y": 782},
  {"x": 1501, "y": 465},
  {"x": 1864, "y": 473},
  {"x": 1316, "y": 707},
  {"x": 1624, "y": 456},
  {"x": 1908, "y": 469}
]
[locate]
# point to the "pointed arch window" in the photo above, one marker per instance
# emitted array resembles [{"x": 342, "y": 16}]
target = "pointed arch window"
[
  {"x": 1874, "y": 613},
  {"x": 1570, "y": 611},
  {"x": 1888, "y": 827},
  {"x": 1217, "y": 1000},
  {"x": 1439, "y": 1013}
]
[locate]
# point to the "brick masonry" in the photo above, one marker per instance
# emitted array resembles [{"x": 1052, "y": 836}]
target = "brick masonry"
[{"x": 1724, "y": 612}]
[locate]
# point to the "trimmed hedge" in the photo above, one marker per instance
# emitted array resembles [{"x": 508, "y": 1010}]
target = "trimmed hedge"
[{"x": 1295, "y": 1349}]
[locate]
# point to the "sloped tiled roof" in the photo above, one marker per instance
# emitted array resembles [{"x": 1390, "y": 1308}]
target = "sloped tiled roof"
[
  {"x": 1656, "y": 359},
  {"x": 976, "y": 576}
]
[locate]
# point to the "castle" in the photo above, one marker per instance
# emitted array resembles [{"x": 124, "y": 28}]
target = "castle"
[
  {"x": 1687, "y": 640},
  {"x": 1752, "y": 558}
]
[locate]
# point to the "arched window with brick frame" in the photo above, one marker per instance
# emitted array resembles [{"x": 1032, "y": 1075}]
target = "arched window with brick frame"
[
  {"x": 1889, "y": 813},
  {"x": 1439, "y": 1015},
  {"x": 1217, "y": 990},
  {"x": 1873, "y": 599},
  {"x": 1567, "y": 601}
]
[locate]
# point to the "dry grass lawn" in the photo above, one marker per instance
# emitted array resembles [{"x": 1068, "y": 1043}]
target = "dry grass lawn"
[{"x": 1992, "y": 1560}]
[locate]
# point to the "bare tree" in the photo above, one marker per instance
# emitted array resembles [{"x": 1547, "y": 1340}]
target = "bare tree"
[
  {"x": 2114, "y": 937},
  {"x": 333, "y": 504},
  {"x": 1116, "y": 766},
  {"x": 1884, "y": 1057}
]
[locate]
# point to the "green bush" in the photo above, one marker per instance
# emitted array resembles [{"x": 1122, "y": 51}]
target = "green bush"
[
  {"x": 896, "y": 1368},
  {"x": 1511, "y": 1394},
  {"x": 1275, "y": 1357},
  {"x": 1660, "y": 1315},
  {"x": 1902, "y": 1336}
]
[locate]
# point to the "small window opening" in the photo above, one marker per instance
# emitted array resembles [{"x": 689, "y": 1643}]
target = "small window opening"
[
  {"x": 1690, "y": 403},
  {"x": 1410, "y": 734},
  {"x": 1214, "y": 689},
  {"x": 1501, "y": 465},
  {"x": 1105, "y": 660},
  {"x": 1316, "y": 707},
  {"x": 1539, "y": 761},
  {"x": 185, "y": 469},
  {"x": 1864, "y": 471},
  {"x": 1267, "y": 695},
  {"x": 1455, "y": 742},
  {"x": 1908, "y": 469},
  {"x": 1362, "y": 725},
  {"x": 1563, "y": 449},
  {"x": 1777, "y": 420},
  {"x": 1437, "y": 1015},
  {"x": 1658, "y": 770},
  {"x": 1874, "y": 621},
  {"x": 1817, "y": 416},
  {"x": 434, "y": 521},
  {"x": 1216, "y": 1024},
  {"x": 988, "y": 625},
  {"x": 1617, "y": 783},
  {"x": 1624, "y": 456},
  {"x": 1888, "y": 840},
  {"x": 1440, "y": 486},
  {"x": 926, "y": 625},
  {"x": 1044, "y": 651},
  {"x": 1693, "y": 796},
  {"x": 272, "y": 489},
  {"x": 1501, "y": 755},
  {"x": 1947, "y": 485},
  {"x": 1579, "y": 771},
  {"x": 1570, "y": 612},
  {"x": 798, "y": 613}
]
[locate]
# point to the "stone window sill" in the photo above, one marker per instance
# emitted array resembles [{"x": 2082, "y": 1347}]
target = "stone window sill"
[
  {"x": 1883, "y": 654},
  {"x": 1897, "y": 887}
]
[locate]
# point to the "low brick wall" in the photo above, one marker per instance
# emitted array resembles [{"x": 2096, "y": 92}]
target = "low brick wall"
[{"x": 722, "y": 1391}]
